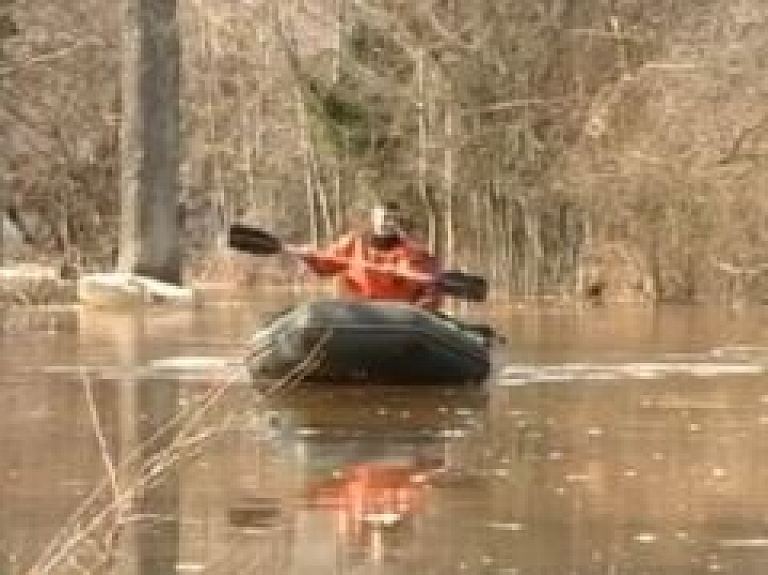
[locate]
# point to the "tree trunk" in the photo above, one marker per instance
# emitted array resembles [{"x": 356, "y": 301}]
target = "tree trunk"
[
  {"x": 341, "y": 19},
  {"x": 149, "y": 184},
  {"x": 490, "y": 228},
  {"x": 533, "y": 250},
  {"x": 246, "y": 137},
  {"x": 309, "y": 183},
  {"x": 448, "y": 189},
  {"x": 223, "y": 208},
  {"x": 424, "y": 192}
]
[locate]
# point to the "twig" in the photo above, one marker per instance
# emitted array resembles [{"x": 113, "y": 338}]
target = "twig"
[
  {"x": 48, "y": 56},
  {"x": 108, "y": 464},
  {"x": 152, "y": 469}
]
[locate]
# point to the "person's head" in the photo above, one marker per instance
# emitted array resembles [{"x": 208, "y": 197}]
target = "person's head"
[{"x": 386, "y": 220}]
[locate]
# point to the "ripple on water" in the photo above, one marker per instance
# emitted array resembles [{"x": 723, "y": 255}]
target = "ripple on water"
[
  {"x": 515, "y": 375},
  {"x": 745, "y": 543}
]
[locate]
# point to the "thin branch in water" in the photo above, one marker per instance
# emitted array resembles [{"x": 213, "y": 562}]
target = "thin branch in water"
[
  {"x": 151, "y": 470},
  {"x": 103, "y": 447}
]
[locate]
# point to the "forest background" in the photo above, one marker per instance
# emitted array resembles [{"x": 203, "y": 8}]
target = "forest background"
[{"x": 567, "y": 148}]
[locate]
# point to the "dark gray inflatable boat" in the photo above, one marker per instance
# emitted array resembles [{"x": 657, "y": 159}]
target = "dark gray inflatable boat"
[{"x": 374, "y": 342}]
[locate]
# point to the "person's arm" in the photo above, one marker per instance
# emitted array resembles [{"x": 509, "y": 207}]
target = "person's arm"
[
  {"x": 427, "y": 295},
  {"x": 430, "y": 296},
  {"x": 326, "y": 262}
]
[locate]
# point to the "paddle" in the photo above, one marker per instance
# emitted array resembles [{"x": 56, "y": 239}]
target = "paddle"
[{"x": 257, "y": 241}]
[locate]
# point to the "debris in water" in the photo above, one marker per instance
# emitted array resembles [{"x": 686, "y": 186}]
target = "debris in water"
[
  {"x": 194, "y": 363},
  {"x": 577, "y": 477},
  {"x": 190, "y": 567},
  {"x": 524, "y": 374},
  {"x": 645, "y": 537},
  {"x": 744, "y": 543},
  {"x": 505, "y": 526}
]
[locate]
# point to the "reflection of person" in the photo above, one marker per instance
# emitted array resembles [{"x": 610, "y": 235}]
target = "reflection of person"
[
  {"x": 372, "y": 492},
  {"x": 381, "y": 242}
]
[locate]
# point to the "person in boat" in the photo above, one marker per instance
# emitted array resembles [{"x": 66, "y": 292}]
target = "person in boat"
[{"x": 383, "y": 242}]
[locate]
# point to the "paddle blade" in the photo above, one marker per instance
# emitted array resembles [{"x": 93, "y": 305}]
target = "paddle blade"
[
  {"x": 462, "y": 285},
  {"x": 253, "y": 240}
]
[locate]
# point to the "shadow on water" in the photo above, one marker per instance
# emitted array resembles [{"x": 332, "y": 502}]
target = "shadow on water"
[{"x": 623, "y": 447}]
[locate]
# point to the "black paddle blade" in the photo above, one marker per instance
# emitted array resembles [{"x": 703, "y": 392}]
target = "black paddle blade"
[
  {"x": 462, "y": 285},
  {"x": 253, "y": 240}
]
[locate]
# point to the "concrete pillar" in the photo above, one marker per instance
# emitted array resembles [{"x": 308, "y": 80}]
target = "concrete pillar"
[{"x": 149, "y": 184}]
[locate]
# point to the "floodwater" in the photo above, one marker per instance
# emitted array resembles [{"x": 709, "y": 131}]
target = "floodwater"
[{"x": 611, "y": 442}]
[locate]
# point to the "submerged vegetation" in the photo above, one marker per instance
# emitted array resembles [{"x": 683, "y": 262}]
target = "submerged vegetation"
[{"x": 563, "y": 147}]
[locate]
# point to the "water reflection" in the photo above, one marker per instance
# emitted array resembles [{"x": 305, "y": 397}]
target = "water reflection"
[
  {"x": 326, "y": 481},
  {"x": 370, "y": 461},
  {"x": 558, "y": 474}
]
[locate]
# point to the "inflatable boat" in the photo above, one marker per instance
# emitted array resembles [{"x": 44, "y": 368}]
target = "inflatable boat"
[{"x": 347, "y": 342}]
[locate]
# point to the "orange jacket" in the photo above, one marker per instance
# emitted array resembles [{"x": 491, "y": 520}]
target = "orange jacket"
[{"x": 363, "y": 282}]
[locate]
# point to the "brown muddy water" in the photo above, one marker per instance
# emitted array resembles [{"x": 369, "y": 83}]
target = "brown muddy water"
[{"x": 612, "y": 442}]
